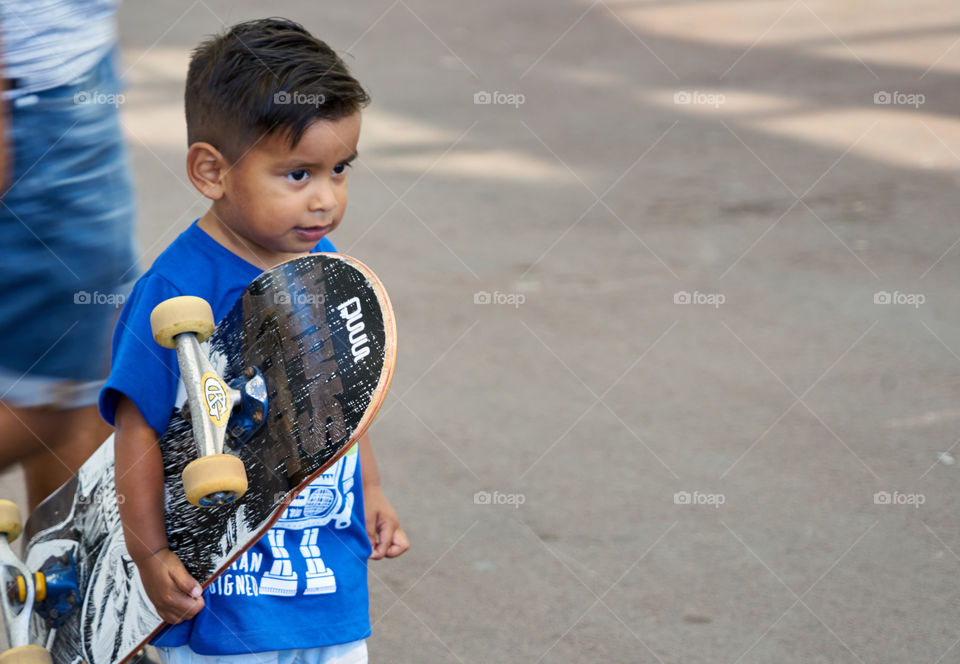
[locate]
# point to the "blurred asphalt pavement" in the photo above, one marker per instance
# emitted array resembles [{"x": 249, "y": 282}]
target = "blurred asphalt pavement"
[{"x": 678, "y": 317}]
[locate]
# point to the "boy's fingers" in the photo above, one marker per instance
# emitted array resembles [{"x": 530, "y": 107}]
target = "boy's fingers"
[
  {"x": 175, "y": 594},
  {"x": 184, "y": 608},
  {"x": 193, "y": 609},
  {"x": 186, "y": 583},
  {"x": 385, "y": 531},
  {"x": 400, "y": 543},
  {"x": 372, "y": 534}
]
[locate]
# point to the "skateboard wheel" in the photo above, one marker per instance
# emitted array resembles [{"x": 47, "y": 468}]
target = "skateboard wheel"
[
  {"x": 39, "y": 586},
  {"x": 214, "y": 480},
  {"x": 26, "y": 655},
  {"x": 10, "y": 524},
  {"x": 178, "y": 315}
]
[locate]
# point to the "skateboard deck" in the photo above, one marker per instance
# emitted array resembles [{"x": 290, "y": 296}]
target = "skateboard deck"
[{"x": 321, "y": 331}]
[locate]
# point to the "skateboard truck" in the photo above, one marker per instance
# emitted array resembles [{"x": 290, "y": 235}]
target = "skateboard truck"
[
  {"x": 248, "y": 414},
  {"x": 57, "y": 589},
  {"x": 248, "y": 418},
  {"x": 21, "y": 590},
  {"x": 213, "y": 478}
]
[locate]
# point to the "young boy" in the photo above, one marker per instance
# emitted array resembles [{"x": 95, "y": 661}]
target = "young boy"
[{"x": 273, "y": 119}]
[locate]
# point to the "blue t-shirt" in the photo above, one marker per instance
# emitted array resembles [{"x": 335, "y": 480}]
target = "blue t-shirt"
[{"x": 304, "y": 585}]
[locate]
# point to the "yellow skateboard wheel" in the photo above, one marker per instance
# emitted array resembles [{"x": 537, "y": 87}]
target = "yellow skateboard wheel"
[
  {"x": 214, "y": 480},
  {"x": 26, "y": 655},
  {"x": 39, "y": 586},
  {"x": 178, "y": 315},
  {"x": 10, "y": 524}
]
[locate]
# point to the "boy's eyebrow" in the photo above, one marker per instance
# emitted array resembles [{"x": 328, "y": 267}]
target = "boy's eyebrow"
[{"x": 297, "y": 162}]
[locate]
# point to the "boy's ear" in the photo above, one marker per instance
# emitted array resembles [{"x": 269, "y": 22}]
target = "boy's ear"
[{"x": 206, "y": 167}]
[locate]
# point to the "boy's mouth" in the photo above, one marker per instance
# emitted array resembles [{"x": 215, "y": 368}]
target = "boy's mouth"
[{"x": 312, "y": 233}]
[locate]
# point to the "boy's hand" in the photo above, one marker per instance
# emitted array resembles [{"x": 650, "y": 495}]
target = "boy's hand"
[
  {"x": 175, "y": 594},
  {"x": 386, "y": 536}
]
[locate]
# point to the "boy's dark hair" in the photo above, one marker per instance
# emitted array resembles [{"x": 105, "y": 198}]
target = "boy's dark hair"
[{"x": 268, "y": 76}]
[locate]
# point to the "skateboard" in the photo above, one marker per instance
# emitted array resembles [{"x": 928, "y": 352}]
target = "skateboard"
[{"x": 279, "y": 392}]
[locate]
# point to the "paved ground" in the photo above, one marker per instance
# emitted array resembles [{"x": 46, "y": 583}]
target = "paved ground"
[{"x": 651, "y": 404}]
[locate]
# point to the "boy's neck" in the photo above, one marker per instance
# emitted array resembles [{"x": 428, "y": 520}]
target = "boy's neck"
[{"x": 235, "y": 244}]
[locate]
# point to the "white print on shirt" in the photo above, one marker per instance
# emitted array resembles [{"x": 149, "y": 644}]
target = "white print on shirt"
[
  {"x": 242, "y": 578},
  {"x": 281, "y": 580},
  {"x": 327, "y": 500}
]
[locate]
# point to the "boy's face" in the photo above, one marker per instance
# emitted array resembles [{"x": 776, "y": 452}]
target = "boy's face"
[{"x": 280, "y": 201}]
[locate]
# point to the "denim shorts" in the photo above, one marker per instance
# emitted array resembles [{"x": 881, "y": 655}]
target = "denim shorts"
[
  {"x": 348, "y": 653},
  {"x": 68, "y": 248}
]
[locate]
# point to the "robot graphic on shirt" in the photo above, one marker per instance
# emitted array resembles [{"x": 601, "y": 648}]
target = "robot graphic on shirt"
[{"x": 329, "y": 498}]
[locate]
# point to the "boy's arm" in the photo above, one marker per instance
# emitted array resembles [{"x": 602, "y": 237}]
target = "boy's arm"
[
  {"x": 386, "y": 536},
  {"x": 139, "y": 479}
]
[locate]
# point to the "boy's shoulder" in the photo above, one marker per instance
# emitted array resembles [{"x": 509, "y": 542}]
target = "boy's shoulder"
[
  {"x": 179, "y": 256},
  {"x": 196, "y": 264},
  {"x": 192, "y": 255}
]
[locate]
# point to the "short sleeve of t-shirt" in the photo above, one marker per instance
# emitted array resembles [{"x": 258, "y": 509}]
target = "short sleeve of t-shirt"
[{"x": 142, "y": 370}]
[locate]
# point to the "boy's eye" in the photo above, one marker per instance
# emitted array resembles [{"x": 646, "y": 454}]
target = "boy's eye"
[
  {"x": 341, "y": 168},
  {"x": 298, "y": 175}
]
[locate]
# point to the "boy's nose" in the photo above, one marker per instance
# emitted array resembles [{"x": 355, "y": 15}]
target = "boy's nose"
[{"x": 324, "y": 199}]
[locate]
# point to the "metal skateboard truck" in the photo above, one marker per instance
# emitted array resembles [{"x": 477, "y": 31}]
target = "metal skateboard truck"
[
  {"x": 21, "y": 590},
  {"x": 217, "y": 412}
]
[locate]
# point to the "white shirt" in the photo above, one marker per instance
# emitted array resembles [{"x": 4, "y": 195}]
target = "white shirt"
[{"x": 48, "y": 43}]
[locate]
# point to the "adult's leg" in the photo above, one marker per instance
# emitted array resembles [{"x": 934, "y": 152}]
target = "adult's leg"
[
  {"x": 50, "y": 443},
  {"x": 67, "y": 219},
  {"x": 73, "y": 436},
  {"x": 25, "y": 431}
]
